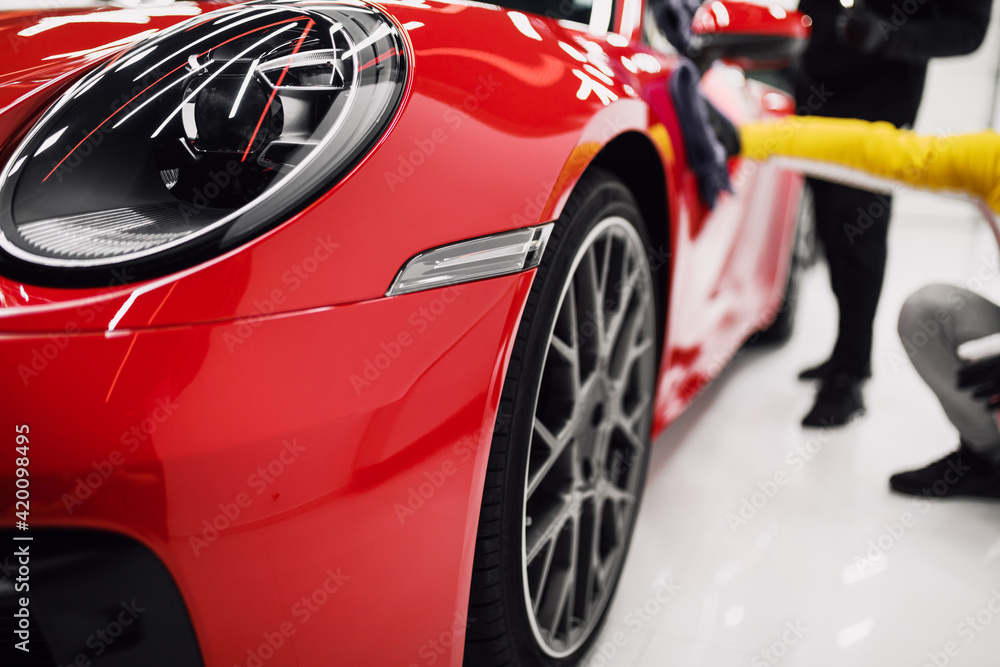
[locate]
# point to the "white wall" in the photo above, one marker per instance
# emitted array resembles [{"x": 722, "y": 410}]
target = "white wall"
[{"x": 960, "y": 96}]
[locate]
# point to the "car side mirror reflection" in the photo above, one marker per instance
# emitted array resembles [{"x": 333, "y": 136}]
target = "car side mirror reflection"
[{"x": 753, "y": 37}]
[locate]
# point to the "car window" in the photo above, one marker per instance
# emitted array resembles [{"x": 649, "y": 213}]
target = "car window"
[{"x": 596, "y": 13}]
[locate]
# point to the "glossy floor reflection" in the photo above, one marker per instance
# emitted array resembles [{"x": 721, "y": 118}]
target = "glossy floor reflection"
[{"x": 823, "y": 571}]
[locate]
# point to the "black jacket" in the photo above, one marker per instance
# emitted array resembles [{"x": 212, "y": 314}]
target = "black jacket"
[{"x": 841, "y": 82}]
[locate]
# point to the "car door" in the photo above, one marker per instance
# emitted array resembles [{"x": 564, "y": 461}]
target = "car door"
[{"x": 728, "y": 261}]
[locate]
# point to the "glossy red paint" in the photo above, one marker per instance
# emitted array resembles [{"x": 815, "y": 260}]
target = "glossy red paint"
[
  {"x": 322, "y": 450},
  {"x": 721, "y": 16},
  {"x": 288, "y": 341}
]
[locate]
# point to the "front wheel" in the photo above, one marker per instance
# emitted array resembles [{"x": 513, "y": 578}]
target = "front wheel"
[{"x": 571, "y": 444}]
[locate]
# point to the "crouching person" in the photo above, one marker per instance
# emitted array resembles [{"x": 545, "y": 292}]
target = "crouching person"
[{"x": 933, "y": 324}]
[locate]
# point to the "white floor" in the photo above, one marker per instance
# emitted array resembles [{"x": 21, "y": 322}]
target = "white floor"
[{"x": 825, "y": 572}]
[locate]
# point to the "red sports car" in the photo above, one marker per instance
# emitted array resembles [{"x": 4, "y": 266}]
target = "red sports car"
[{"x": 336, "y": 332}]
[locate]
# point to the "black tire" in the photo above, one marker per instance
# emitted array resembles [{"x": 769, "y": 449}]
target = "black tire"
[
  {"x": 512, "y": 563},
  {"x": 803, "y": 256}
]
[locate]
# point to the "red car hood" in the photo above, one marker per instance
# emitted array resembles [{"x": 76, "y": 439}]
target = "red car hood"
[
  {"x": 461, "y": 53},
  {"x": 52, "y": 48}
]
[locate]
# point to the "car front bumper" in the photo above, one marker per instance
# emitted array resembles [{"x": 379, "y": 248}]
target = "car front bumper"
[{"x": 314, "y": 475}]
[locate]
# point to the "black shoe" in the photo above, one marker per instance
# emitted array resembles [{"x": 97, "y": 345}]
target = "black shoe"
[
  {"x": 828, "y": 368},
  {"x": 817, "y": 372},
  {"x": 961, "y": 473},
  {"x": 838, "y": 401}
]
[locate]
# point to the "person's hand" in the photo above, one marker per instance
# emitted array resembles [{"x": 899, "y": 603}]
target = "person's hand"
[
  {"x": 858, "y": 29},
  {"x": 983, "y": 378}
]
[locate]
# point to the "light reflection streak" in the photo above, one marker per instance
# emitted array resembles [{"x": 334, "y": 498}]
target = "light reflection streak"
[{"x": 217, "y": 72}]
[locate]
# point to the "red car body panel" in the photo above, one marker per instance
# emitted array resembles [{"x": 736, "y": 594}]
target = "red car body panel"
[
  {"x": 748, "y": 19},
  {"x": 245, "y": 457},
  {"x": 378, "y": 411}
]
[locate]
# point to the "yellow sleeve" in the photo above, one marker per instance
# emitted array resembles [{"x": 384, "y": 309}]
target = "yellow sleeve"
[{"x": 968, "y": 164}]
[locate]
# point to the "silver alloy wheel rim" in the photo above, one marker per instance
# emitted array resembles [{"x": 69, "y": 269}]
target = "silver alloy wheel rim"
[{"x": 590, "y": 426}]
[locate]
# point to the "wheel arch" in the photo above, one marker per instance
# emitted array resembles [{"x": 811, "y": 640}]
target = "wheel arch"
[{"x": 632, "y": 157}]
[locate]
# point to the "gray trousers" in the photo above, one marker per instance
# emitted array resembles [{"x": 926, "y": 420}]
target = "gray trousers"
[{"x": 934, "y": 321}]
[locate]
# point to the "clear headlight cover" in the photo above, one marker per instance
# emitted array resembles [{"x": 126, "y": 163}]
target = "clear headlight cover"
[{"x": 196, "y": 140}]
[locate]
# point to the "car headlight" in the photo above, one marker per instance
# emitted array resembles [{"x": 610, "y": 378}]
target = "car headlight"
[{"x": 198, "y": 139}]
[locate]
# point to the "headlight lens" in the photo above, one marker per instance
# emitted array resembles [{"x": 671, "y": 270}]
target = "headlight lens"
[{"x": 200, "y": 138}]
